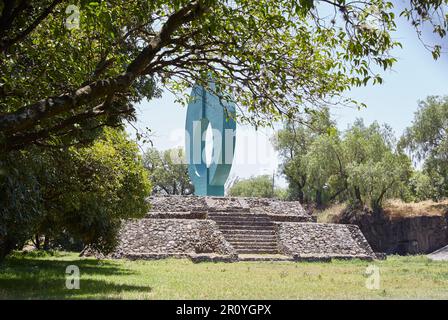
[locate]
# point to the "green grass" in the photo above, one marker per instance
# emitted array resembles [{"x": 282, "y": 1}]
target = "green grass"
[{"x": 42, "y": 276}]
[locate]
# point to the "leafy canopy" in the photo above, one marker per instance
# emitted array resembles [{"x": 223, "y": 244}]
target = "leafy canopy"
[
  {"x": 360, "y": 165},
  {"x": 168, "y": 172},
  {"x": 259, "y": 186},
  {"x": 274, "y": 58},
  {"x": 427, "y": 141},
  {"x": 80, "y": 192}
]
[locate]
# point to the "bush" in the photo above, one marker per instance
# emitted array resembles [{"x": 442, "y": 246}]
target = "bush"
[
  {"x": 260, "y": 186},
  {"x": 77, "y": 193}
]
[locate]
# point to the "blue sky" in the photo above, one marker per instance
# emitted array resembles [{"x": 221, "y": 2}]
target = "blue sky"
[{"x": 415, "y": 76}]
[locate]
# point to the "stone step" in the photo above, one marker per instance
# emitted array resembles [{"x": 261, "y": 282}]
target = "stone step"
[
  {"x": 257, "y": 251},
  {"x": 228, "y": 232},
  {"x": 263, "y": 234},
  {"x": 251, "y": 240},
  {"x": 245, "y": 223},
  {"x": 233, "y": 209},
  {"x": 238, "y": 215},
  {"x": 255, "y": 246},
  {"x": 239, "y": 218},
  {"x": 243, "y": 238},
  {"x": 248, "y": 233},
  {"x": 234, "y": 213},
  {"x": 245, "y": 227}
]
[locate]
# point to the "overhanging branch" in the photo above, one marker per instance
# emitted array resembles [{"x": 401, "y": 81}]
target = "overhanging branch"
[{"x": 26, "y": 118}]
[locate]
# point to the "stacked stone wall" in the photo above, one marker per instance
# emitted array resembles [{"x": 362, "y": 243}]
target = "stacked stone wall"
[
  {"x": 322, "y": 240},
  {"x": 401, "y": 235},
  {"x": 176, "y": 237},
  {"x": 191, "y": 207}
]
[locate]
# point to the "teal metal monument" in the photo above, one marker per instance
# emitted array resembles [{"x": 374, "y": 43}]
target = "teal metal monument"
[{"x": 206, "y": 108}]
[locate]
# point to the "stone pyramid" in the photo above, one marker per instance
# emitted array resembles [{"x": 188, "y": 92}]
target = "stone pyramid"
[{"x": 233, "y": 228}]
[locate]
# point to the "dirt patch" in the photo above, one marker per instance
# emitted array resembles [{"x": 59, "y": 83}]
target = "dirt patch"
[{"x": 396, "y": 209}]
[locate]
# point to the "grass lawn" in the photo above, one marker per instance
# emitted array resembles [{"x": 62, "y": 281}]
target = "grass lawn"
[{"x": 42, "y": 276}]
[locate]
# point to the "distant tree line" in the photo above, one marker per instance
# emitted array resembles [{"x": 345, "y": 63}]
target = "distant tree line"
[
  {"x": 257, "y": 186},
  {"x": 168, "y": 172},
  {"x": 363, "y": 165},
  {"x": 366, "y": 164}
]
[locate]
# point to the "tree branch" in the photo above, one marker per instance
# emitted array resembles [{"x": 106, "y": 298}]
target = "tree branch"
[
  {"x": 6, "y": 44},
  {"x": 18, "y": 141},
  {"x": 29, "y": 116}
]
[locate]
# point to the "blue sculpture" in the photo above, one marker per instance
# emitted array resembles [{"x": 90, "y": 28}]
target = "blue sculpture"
[{"x": 206, "y": 108}]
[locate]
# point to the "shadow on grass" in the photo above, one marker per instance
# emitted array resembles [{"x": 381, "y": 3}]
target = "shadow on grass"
[{"x": 28, "y": 277}]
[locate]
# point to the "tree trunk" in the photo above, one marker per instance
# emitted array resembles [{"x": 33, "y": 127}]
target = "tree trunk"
[
  {"x": 46, "y": 243},
  {"x": 6, "y": 247},
  {"x": 300, "y": 196},
  {"x": 318, "y": 198},
  {"x": 37, "y": 242},
  {"x": 358, "y": 196}
]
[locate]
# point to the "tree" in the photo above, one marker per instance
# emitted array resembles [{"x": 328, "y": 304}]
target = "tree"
[
  {"x": 259, "y": 186},
  {"x": 293, "y": 144},
  {"x": 21, "y": 203},
  {"x": 427, "y": 141},
  {"x": 423, "y": 187},
  {"x": 376, "y": 181},
  {"x": 376, "y": 169},
  {"x": 81, "y": 192},
  {"x": 276, "y": 58},
  {"x": 325, "y": 169},
  {"x": 168, "y": 172},
  {"x": 361, "y": 165}
]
